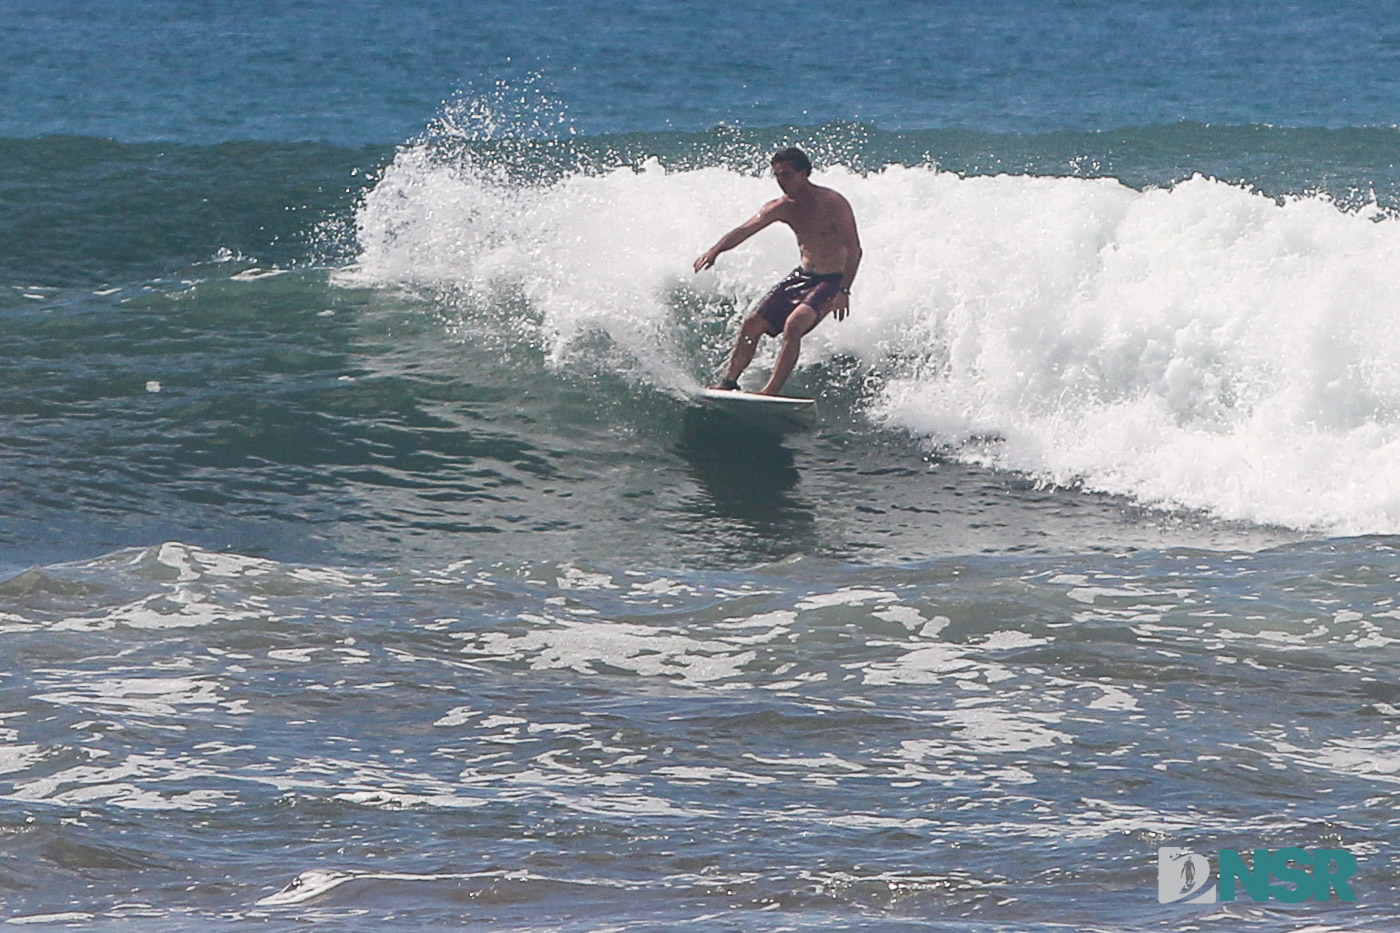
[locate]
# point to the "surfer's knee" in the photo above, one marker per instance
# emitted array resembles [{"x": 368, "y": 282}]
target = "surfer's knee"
[
  {"x": 799, "y": 322},
  {"x": 754, "y": 326}
]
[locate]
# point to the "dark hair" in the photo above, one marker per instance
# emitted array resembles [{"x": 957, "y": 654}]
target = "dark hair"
[{"x": 795, "y": 157}]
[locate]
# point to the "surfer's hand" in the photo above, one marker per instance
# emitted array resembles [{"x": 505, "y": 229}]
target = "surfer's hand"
[
  {"x": 705, "y": 261},
  {"x": 841, "y": 306}
]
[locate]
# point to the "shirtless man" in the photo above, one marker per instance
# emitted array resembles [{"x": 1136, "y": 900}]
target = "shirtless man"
[{"x": 830, "y": 250}]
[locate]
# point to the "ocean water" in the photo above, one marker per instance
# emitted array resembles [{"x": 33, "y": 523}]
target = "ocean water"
[{"x": 363, "y": 563}]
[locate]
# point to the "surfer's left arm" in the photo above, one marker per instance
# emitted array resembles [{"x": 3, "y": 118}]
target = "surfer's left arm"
[{"x": 846, "y": 221}]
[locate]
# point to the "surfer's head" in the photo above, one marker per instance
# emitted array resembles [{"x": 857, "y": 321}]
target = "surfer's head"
[
  {"x": 791, "y": 167},
  {"x": 794, "y": 157}
]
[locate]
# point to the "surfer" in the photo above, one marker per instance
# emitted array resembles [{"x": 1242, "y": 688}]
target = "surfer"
[{"x": 830, "y": 249}]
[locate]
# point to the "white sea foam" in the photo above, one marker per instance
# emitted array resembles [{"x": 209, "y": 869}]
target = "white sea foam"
[
  {"x": 67, "y": 918},
  {"x": 582, "y": 646},
  {"x": 1202, "y": 346},
  {"x": 315, "y": 882}
]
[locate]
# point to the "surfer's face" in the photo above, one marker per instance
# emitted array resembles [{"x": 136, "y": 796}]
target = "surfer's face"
[{"x": 788, "y": 176}]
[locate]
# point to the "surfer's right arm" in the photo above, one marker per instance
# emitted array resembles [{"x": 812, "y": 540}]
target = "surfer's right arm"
[{"x": 765, "y": 216}]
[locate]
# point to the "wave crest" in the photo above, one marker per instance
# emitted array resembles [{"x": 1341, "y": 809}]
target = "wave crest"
[{"x": 1200, "y": 345}]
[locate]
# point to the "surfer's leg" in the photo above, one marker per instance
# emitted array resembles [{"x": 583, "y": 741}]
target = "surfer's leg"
[
  {"x": 798, "y": 323},
  {"x": 754, "y": 326},
  {"x": 767, "y": 317}
]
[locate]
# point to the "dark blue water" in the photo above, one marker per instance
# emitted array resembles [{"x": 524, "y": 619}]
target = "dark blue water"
[
  {"x": 366, "y": 71},
  {"x": 364, "y": 562}
]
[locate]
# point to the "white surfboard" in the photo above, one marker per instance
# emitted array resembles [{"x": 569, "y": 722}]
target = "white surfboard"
[{"x": 771, "y": 412}]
